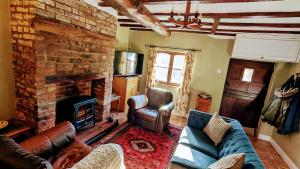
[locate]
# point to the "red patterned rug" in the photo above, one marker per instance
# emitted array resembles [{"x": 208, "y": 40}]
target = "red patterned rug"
[{"x": 144, "y": 149}]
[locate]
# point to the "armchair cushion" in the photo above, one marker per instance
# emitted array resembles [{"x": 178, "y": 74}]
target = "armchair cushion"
[
  {"x": 147, "y": 114},
  {"x": 159, "y": 97},
  {"x": 50, "y": 141},
  {"x": 140, "y": 101}
]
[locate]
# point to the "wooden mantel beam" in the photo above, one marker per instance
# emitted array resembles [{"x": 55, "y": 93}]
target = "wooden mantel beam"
[{"x": 139, "y": 13}]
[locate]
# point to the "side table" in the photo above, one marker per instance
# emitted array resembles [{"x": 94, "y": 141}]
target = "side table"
[{"x": 16, "y": 130}]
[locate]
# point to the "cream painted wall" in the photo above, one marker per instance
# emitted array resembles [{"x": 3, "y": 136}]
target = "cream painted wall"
[
  {"x": 214, "y": 56},
  {"x": 7, "y": 88},
  {"x": 279, "y": 76},
  {"x": 123, "y": 38},
  {"x": 290, "y": 143}
]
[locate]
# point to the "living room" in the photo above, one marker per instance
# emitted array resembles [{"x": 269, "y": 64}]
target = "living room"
[{"x": 102, "y": 84}]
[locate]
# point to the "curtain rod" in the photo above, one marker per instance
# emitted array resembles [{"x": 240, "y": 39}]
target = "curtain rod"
[{"x": 175, "y": 48}]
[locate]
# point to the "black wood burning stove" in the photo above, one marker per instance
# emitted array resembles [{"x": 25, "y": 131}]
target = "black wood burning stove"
[{"x": 80, "y": 110}]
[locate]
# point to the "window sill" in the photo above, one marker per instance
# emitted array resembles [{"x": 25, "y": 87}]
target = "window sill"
[{"x": 168, "y": 85}]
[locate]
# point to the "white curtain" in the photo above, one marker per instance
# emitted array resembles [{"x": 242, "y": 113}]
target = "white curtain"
[
  {"x": 150, "y": 81},
  {"x": 181, "y": 105}
]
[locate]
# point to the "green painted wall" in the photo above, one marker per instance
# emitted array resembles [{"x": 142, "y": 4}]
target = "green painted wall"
[
  {"x": 213, "y": 57},
  {"x": 7, "y": 88}
]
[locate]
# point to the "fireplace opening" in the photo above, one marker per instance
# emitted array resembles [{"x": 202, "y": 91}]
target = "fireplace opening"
[
  {"x": 79, "y": 110},
  {"x": 80, "y": 102}
]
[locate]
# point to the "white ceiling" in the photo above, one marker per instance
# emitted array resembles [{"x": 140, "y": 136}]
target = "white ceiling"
[
  {"x": 266, "y": 6},
  {"x": 233, "y": 7}
]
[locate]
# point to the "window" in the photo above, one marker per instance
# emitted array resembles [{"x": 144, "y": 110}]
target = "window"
[
  {"x": 247, "y": 76},
  {"x": 169, "y": 67}
]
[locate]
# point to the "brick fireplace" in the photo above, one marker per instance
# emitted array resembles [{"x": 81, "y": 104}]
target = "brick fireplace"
[{"x": 59, "y": 48}]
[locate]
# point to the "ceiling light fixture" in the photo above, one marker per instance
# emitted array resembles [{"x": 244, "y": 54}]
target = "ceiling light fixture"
[{"x": 189, "y": 21}]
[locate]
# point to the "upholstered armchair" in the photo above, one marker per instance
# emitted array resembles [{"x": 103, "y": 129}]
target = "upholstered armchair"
[{"x": 151, "y": 111}]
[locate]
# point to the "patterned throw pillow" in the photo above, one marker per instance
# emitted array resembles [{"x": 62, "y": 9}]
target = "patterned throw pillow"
[
  {"x": 233, "y": 161},
  {"x": 216, "y": 128}
]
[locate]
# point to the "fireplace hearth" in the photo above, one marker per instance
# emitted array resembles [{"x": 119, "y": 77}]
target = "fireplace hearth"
[{"x": 79, "y": 110}]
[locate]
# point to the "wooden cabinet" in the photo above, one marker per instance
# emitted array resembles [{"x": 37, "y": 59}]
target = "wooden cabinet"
[{"x": 125, "y": 87}]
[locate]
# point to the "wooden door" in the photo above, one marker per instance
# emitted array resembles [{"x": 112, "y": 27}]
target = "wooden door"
[{"x": 245, "y": 90}]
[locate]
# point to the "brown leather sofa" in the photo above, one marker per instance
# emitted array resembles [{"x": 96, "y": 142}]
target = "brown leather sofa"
[
  {"x": 57, "y": 146},
  {"x": 153, "y": 110}
]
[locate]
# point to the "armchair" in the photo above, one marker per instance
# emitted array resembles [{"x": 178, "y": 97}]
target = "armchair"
[{"x": 151, "y": 111}]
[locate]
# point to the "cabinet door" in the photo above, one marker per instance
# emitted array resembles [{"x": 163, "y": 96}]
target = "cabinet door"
[
  {"x": 119, "y": 87},
  {"x": 131, "y": 90}
]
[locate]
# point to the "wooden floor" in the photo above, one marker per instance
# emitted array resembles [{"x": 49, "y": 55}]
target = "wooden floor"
[{"x": 264, "y": 149}]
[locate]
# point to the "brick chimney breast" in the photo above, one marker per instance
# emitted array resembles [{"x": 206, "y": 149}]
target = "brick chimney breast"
[{"x": 55, "y": 39}]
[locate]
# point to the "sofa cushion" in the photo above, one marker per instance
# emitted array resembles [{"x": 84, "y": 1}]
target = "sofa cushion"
[
  {"x": 12, "y": 156},
  {"x": 198, "y": 140},
  {"x": 216, "y": 128},
  {"x": 51, "y": 141},
  {"x": 232, "y": 161},
  {"x": 187, "y": 157}
]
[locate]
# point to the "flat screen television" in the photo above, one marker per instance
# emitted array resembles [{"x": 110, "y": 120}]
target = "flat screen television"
[{"x": 128, "y": 63}]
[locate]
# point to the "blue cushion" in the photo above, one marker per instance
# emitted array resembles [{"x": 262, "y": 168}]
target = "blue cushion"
[
  {"x": 189, "y": 158},
  {"x": 198, "y": 140}
]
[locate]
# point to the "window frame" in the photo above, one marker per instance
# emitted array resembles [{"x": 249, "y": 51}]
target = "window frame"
[{"x": 170, "y": 68}]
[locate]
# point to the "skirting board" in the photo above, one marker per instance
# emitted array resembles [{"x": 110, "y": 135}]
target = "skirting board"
[{"x": 279, "y": 150}]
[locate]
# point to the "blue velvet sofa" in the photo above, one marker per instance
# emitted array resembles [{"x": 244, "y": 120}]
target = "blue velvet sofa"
[{"x": 196, "y": 150}]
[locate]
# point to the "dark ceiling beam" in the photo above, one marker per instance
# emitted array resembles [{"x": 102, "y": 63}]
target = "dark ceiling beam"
[
  {"x": 133, "y": 25},
  {"x": 205, "y": 1},
  {"x": 163, "y": 21},
  {"x": 136, "y": 11},
  {"x": 238, "y": 15},
  {"x": 174, "y": 28},
  {"x": 275, "y": 25},
  {"x": 170, "y": 27},
  {"x": 141, "y": 26},
  {"x": 186, "y": 31}
]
